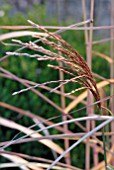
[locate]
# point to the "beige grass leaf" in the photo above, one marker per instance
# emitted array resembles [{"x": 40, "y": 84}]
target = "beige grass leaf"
[
  {"x": 13, "y": 125},
  {"x": 20, "y": 34},
  {"x": 18, "y": 160}
]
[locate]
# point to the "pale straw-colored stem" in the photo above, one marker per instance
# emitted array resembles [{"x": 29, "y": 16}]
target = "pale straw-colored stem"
[
  {"x": 63, "y": 104},
  {"x": 112, "y": 72}
]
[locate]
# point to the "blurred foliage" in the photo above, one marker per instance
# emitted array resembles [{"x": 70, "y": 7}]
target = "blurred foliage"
[{"x": 36, "y": 71}]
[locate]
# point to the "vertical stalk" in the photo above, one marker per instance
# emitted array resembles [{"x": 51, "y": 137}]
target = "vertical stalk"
[
  {"x": 63, "y": 103},
  {"x": 58, "y": 10},
  {"x": 112, "y": 69},
  {"x": 90, "y": 110},
  {"x": 85, "y": 25},
  {"x": 62, "y": 90}
]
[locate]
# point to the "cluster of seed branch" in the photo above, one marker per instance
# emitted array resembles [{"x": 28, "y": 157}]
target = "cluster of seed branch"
[{"x": 73, "y": 64}]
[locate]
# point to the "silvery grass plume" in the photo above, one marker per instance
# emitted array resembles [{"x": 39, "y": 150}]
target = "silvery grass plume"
[{"x": 73, "y": 63}]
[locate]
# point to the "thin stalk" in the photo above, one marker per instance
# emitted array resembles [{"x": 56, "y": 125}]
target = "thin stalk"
[
  {"x": 84, "y": 17},
  {"x": 112, "y": 71},
  {"x": 71, "y": 136},
  {"x": 87, "y": 154},
  {"x": 102, "y": 41},
  {"x": 95, "y": 152},
  {"x": 63, "y": 103},
  {"x": 90, "y": 110},
  {"x": 61, "y": 27},
  {"x": 104, "y": 147}
]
